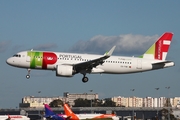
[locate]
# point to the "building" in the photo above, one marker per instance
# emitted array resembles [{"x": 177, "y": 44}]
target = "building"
[
  {"x": 70, "y": 97},
  {"x": 37, "y": 102},
  {"x": 128, "y": 102},
  {"x": 145, "y": 102},
  {"x": 139, "y": 102},
  {"x": 120, "y": 101},
  {"x": 148, "y": 102},
  {"x": 176, "y": 102}
]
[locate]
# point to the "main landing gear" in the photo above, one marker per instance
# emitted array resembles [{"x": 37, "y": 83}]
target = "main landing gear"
[
  {"x": 28, "y": 75},
  {"x": 85, "y": 79}
]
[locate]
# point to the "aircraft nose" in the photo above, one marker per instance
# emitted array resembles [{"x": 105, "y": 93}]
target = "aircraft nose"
[{"x": 9, "y": 61}]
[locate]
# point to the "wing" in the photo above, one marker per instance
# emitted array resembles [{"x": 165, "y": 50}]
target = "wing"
[{"x": 88, "y": 65}]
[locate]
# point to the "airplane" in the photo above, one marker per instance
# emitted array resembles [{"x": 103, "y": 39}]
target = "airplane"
[
  {"x": 50, "y": 115},
  {"x": 14, "y": 117},
  {"x": 73, "y": 116},
  {"x": 69, "y": 64}
]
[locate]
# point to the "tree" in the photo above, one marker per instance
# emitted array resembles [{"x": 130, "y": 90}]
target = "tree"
[
  {"x": 97, "y": 103},
  {"x": 108, "y": 103},
  {"x": 82, "y": 103},
  {"x": 56, "y": 103},
  {"x": 164, "y": 113}
]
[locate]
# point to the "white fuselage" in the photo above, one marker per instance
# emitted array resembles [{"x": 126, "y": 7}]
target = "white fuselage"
[
  {"x": 112, "y": 65},
  {"x": 14, "y": 117},
  {"x": 96, "y": 116}
]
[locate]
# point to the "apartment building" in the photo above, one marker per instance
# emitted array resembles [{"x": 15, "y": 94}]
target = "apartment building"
[
  {"x": 176, "y": 102},
  {"x": 120, "y": 101},
  {"x": 38, "y": 102},
  {"x": 70, "y": 97},
  {"x": 145, "y": 102}
]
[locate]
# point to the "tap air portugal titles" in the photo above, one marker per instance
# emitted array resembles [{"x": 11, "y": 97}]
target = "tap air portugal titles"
[{"x": 69, "y": 64}]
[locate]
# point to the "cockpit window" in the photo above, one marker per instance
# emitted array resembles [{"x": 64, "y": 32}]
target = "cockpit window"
[{"x": 17, "y": 55}]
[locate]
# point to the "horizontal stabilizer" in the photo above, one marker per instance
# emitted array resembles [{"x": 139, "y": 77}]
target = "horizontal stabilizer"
[{"x": 163, "y": 64}]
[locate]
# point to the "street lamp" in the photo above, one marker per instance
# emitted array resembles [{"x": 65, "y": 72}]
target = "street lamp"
[
  {"x": 39, "y": 102},
  {"x": 91, "y": 96},
  {"x": 168, "y": 102},
  {"x": 91, "y": 99},
  {"x": 157, "y": 101},
  {"x": 39, "y": 98},
  {"x": 133, "y": 103}
]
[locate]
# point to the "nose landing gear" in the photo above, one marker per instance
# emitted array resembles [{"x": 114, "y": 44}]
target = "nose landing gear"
[{"x": 28, "y": 75}]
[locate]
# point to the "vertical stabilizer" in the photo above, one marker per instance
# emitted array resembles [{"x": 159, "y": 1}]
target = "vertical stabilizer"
[
  {"x": 69, "y": 112},
  {"x": 50, "y": 115},
  {"x": 48, "y": 110},
  {"x": 159, "y": 50}
]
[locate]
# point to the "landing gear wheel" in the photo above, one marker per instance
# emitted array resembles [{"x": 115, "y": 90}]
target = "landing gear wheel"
[
  {"x": 27, "y": 76},
  {"x": 85, "y": 79}
]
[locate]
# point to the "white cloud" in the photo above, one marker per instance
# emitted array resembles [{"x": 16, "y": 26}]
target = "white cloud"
[{"x": 127, "y": 44}]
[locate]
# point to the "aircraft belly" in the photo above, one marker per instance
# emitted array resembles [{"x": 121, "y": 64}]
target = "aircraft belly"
[
  {"x": 125, "y": 68},
  {"x": 113, "y": 69},
  {"x": 49, "y": 67}
]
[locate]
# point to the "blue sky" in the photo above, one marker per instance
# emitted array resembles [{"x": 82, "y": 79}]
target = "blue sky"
[{"x": 86, "y": 27}]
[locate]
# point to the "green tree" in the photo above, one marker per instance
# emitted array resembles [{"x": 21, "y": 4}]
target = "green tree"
[
  {"x": 97, "y": 103},
  {"x": 164, "y": 113},
  {"x": 108, "y": 103},
  {"x": 82, "y": 103},
  {"x": 56, "y": 103}
]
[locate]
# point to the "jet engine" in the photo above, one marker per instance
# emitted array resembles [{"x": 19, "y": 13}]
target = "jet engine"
[{"x": 64, "y": 70}]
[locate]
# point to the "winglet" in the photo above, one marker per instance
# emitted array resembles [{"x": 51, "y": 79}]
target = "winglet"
[{"x": 110, "y": 52}]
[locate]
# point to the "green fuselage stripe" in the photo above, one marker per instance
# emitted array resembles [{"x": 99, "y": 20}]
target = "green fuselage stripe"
[{"x": 35, "y": 59}]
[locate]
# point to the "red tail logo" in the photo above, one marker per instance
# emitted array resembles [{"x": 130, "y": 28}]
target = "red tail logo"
[{"x": 162, "y": 46}]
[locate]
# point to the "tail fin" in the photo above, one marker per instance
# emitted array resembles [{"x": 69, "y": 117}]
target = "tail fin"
[
  {"x": 48, "y": 110},
  {"x": 160, "y": 48},
  {"x": 50, "y": 114},
  {"x": 70, "y": 113}
]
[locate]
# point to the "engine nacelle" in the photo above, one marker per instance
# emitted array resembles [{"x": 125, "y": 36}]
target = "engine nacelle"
[{"x": 64, "y": 70}]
